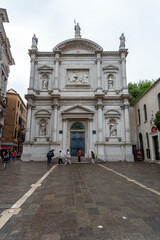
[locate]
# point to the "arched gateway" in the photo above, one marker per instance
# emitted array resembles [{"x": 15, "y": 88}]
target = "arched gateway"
[{"x": 78, "y": 98}]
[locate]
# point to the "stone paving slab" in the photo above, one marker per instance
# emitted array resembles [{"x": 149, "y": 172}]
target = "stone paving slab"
[{"x": 75, "y": 200}]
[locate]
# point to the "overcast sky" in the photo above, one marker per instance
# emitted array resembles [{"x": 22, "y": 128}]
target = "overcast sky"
[{"x": 101, "y": 21}]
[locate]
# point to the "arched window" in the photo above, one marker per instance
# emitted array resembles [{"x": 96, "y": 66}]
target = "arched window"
[
  {"x": 77, "y": 126},
  {"x": 147, "y": 139},
  {"x": 159, "y": 101},
  {"x": 145, "y": 112},
  {"x": 139, "y": 117}
]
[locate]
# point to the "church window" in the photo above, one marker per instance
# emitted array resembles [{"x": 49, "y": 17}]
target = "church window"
[
  {"x": 141, "y": 141},
  {"x": 145, "y": 112},
  {"x": 139, "y": 117},
  {"x": 147, "y": 139},
  {"x": 77, "y": 126}
]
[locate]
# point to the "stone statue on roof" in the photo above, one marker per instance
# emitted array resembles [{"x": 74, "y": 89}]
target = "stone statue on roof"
[
  {"x": 77, "y": 30},
  {"x": 34, "y": 42},
  {"x": 122, "y": 41}
]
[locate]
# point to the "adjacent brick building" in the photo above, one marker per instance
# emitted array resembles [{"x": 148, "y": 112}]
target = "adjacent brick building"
[{"x": 15, "y": 121}]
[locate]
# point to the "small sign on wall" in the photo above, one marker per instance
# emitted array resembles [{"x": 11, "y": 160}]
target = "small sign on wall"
[{"x": 153, "y": 129}]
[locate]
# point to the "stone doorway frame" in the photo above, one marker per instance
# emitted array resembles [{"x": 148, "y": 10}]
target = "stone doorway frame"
[{"x": 77, "y": 113}]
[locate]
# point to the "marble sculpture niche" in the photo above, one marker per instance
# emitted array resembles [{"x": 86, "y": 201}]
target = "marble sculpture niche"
[
  {"x": 113, "y": 128},
  {"x": 45, "y": 79},
  {"x": 42, "y": 128}
]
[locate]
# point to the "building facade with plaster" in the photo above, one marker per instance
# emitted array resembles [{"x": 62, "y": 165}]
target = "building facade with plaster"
[
  {"x": 78, "y": 99},
  {"x": 15, "y": 122},
  {"x": 145, "y": 108},
  {"x": 6, "y": 60}
]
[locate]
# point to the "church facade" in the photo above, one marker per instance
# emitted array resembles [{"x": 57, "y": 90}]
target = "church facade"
[{"x": 78, "y": 99}]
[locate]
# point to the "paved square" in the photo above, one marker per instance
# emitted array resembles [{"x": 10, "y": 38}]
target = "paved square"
[{"x": 80, "y": 201}]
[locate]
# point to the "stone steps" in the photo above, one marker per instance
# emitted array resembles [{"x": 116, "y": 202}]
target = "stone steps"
[{"x": 83, "y": 160}]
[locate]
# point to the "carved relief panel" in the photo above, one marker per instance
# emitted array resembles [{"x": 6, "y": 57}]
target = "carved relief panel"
[{"x": 77, "y": 77}]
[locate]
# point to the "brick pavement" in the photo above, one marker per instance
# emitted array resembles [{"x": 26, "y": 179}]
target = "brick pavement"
[{"x": 75, "y": 200}]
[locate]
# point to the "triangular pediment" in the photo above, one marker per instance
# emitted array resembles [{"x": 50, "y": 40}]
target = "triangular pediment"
[
  {"x": 77, "y": 109},
  {"x": 78, "y": 46}
]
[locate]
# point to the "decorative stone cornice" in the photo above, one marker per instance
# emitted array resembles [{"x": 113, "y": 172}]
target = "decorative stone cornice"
[{"x": 123, "y": 51}]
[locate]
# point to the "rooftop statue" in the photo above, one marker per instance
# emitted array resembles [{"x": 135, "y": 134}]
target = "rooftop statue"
[
  {"x": 77, "y": 30},
  {"x": 122, "y": 41},
  {"x": 34, "y": 42}
]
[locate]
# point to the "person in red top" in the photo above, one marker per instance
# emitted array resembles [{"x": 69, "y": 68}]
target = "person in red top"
[
  {"x": 79, "y": 155},
  {"x": 14, "y": 155}
]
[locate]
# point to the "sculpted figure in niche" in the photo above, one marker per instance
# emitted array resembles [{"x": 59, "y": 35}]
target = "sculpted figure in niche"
[
  {"x": 113, "y": 130},
  {"x": 34, "y": 41},
  {"x": 45, "y": 81},
  {"x": 110, "y": 82},
  {"x": 42, "y": 131}
]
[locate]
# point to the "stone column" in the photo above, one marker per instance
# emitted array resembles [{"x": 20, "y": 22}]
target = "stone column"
[
  {"x": 28, "y": 123},
  {"x": 32, "y": 124},
  {"x": 64, "y": 135},
  {"x": 127, "y": 121},
  {"x": 56, "y": 70},
  {"x": 32, "y": 71},
  {"x": 99, "y": 79},
  {"x": 100, "y": 119},
  {"x": 55, "y": 106},
  {"x": 124, "y": 77},
  {"x": 90, "y": 135}
]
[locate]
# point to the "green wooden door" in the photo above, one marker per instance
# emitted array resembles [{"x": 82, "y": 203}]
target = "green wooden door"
[{"x": 77, "y": 142}]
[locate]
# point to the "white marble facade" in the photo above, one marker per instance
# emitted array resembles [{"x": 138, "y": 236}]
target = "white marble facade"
[{"x": 78, "y": 84}]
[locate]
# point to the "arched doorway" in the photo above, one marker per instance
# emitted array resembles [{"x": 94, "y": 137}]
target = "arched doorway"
[{"x": 77, "y": 138}]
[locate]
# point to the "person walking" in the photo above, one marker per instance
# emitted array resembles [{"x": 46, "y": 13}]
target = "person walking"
[
  {"x": 60, "y": 157},
  {"x": 5, "y": 159},
  {"x": 14, "y": 155},
  {"x": 49, "y": 156},
  {"x": 52, "y": 154},
  {"x": 10, "y": 155},
  {"x": 68, "y": 157},
  {"x": 79, "y": 155},
  {"x": 93, "y": 157}
]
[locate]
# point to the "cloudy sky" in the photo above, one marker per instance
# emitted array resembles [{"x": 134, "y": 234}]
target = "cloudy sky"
[{"x": 102, "y": 21}]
